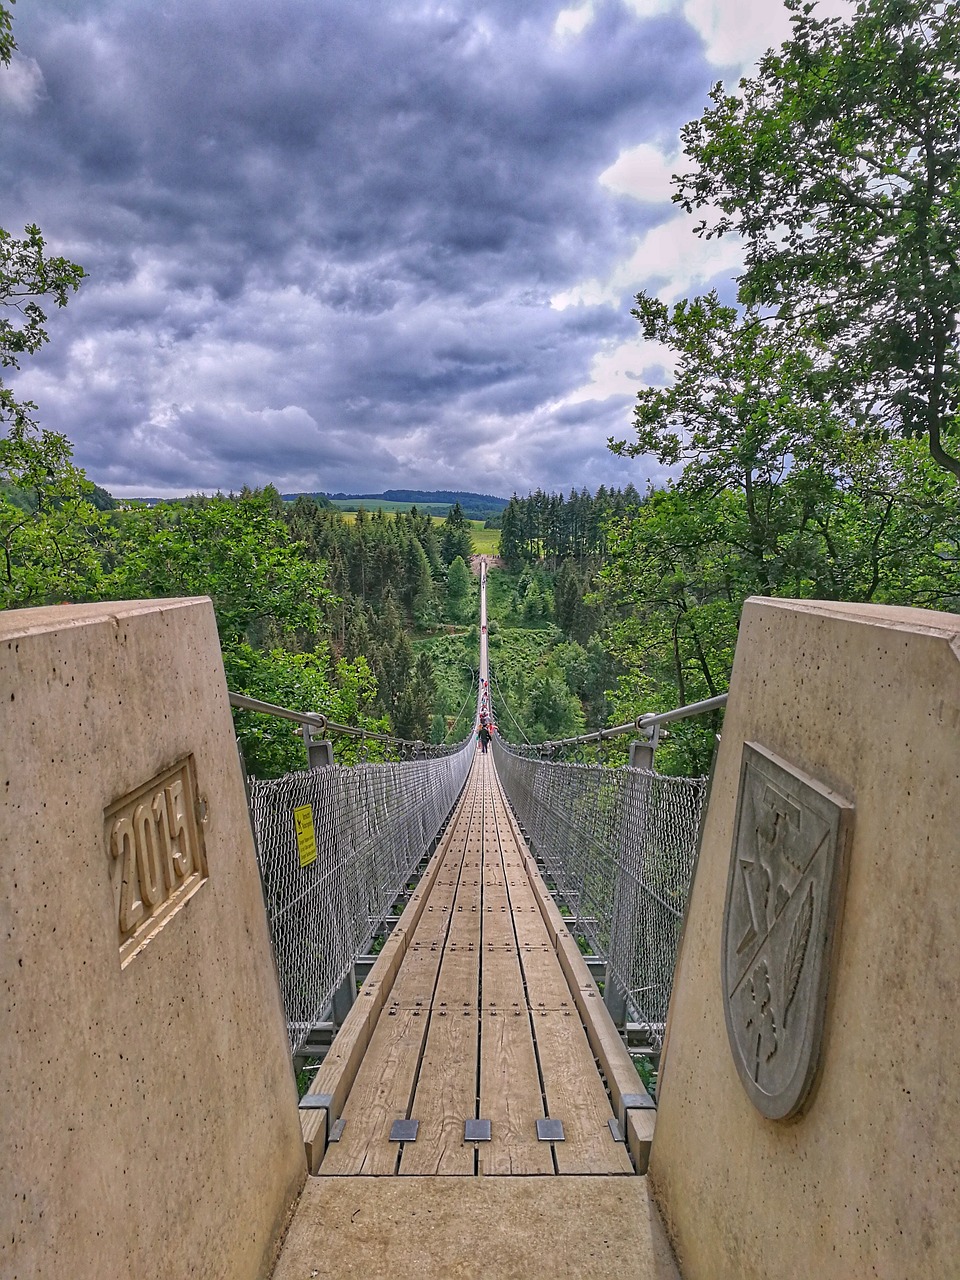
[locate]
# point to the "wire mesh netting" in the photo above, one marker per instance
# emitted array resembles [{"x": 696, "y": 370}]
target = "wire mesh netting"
[
  {"x": 618, "y": 845},
  {"x": 336, "y": 847}
]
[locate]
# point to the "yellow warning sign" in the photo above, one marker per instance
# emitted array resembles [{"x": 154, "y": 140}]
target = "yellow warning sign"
[{"x": 306, "y": 836}]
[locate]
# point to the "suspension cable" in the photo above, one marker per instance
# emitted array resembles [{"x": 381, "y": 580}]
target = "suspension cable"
[
  {"x": 507, "y": 706},
  {"x": 458, "y": 715}
]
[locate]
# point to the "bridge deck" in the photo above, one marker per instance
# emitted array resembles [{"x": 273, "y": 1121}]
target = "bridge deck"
[
  {"x": 480, "y": 1023},
  {"x": 480, "y": 1007}
]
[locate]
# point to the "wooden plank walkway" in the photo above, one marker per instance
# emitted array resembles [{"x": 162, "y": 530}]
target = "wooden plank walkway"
[{"x": 486, "y": 1018}]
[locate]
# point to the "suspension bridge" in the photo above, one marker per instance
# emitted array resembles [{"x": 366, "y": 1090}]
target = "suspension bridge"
[
  {"x": 463, "y": 955},
  {"x": 476, "y": 1043}
]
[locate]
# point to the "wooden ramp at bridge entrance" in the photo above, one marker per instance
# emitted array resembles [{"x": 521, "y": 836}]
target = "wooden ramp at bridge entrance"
[{"x": 478, "y": 1114}]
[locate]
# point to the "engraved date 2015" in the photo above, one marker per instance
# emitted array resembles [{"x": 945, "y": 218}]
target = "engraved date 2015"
[{"x": 155, "y": 847}]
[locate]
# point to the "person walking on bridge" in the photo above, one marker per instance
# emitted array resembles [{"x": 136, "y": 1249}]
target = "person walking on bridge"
[{"x": 484, "y": 736}]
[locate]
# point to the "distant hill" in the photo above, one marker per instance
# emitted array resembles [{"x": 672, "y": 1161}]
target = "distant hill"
[
  {"x": 476, "y": 506},
  {"x": 448, "y": 496}
]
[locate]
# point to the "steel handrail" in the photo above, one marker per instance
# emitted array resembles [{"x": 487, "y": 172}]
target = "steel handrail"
[
  {"x": 646, "y": 720},
  {"x": 317, "y": 720}
]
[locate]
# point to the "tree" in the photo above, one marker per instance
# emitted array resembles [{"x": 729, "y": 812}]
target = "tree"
[
  {"x": 7, "y": 42},
  {"x": 739, "y": 415},
  {"x": 417, "y": 590},
  {"x": 458, "y": 589},
  {"x": 412, "y": 719},
  {"x": 551, "y": 710},
  {"x": 27, "y": 274},
  {"x": 838, "y": 163},
  {"x": 302, "y": 682},
  {"x": 511, "y": 542},
  {"x": 456, "y": 540},
  {"x": 438, "y": 729}
]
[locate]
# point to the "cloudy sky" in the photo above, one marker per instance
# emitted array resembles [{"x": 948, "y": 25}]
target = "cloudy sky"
[{"x": 346, "y": 245}]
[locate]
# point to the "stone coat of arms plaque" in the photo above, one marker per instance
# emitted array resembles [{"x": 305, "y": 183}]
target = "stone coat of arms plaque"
[{"x": 785, "y": 891}]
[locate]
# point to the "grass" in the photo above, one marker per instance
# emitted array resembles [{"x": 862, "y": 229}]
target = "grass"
[
  {"x": 486, "y": 542},
  {"x": 436, "y": 509}
]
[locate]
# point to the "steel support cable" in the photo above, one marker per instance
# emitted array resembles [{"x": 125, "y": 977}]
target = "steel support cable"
[
  {"x": 459, "y": 714},
  {"x": 506, "y": 704},
  {"x": 645, "y": 722}
]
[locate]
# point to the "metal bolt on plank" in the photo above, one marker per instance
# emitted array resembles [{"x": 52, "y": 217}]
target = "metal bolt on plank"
[
  {"x": 550, "y": 1130},
  {"x": 404, "y": 1130}
]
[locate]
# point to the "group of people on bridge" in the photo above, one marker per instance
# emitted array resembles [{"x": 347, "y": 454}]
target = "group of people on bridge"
[{"x": 486, "y": 727}]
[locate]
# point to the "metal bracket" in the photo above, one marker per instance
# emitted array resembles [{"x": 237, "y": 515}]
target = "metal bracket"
[
  {"x": 476, "y": 1130},
  {"x": 316, "y": 1102},
  {"x": 550, "y": 1130},
  {"x": 634, "y": 1102},
  {"x": 404, "y": 1130},
  {"x": 616, "y": 1130},
  {"x": 336, "y": 1131}
]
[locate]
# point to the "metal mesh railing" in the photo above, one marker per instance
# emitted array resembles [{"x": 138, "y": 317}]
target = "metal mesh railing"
[
  {"x": 619, "y": 846},
  {"x": 336, "y": 847}
]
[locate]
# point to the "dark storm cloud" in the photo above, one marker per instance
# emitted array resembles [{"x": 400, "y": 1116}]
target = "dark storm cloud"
[{"x": 323, "y": 238}]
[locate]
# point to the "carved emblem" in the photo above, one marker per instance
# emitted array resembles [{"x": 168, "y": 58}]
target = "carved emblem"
[{"x": 784, "y": 898}]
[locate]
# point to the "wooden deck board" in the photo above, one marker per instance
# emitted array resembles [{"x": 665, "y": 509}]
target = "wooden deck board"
[
  {"x": 381, "y": 1094},
  {"x": 546, "y": 983},
  {"x": 446, "y": 1092},
  {"x": 510, "y": 1096},
  {"x": 575, "y": 1095},
  {"x": 574, "y": 1091},
  {"x": 446, "y": 1096}
]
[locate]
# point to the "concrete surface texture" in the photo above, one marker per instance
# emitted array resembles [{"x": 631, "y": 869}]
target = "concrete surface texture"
[
  {"x": 148, "y": 1113},
  {"x": 429, "y": 1228},
  {"x": 866, "y": 1181}
]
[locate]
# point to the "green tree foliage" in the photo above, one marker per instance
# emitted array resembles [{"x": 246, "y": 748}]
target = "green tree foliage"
[
  {"x": 838, "y": 163},
  {"x": 456, "y": 540},
  {"x": 438, "y": 729},
  {"x": 458, "y": 589},
  {"x": 302, "y": 682},
  {"x": 777, "y": 497},
  {"x": 417, "y": 592},
  {"x": 414, "y": 713},
  {"x": 551, "y": 710},
  {"x": 235, "y": 550},
  {"x": 816, "y": 428},
  {"x": 546, "y": 528},
  {"x": 52, "y": 535},
  {"x": 27, "y": 277},
  {"x": 803, "y": 504},
  {"x": 590, "y": 672},
  {"x": 7, "y": 42}
]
